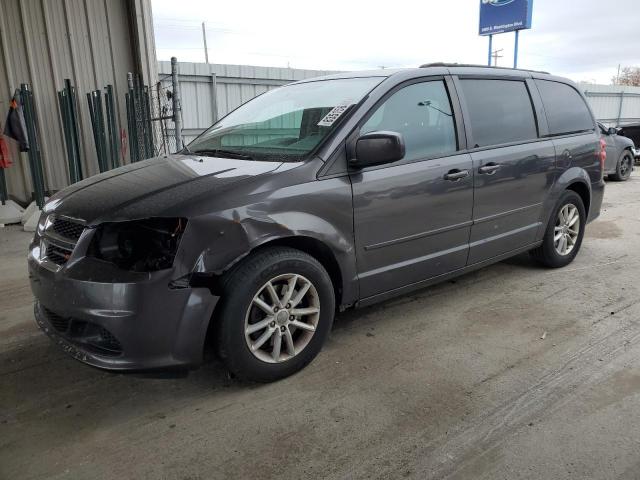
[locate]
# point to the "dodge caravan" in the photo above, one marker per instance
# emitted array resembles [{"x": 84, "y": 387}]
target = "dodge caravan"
[{"x": 315, "y": 197}]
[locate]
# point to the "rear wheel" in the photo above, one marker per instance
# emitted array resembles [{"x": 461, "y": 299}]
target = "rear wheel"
[
  {"x": 564, "y": 233},
  {"x": 276, "y": 312},
  {"x": 623, "y": 167}
]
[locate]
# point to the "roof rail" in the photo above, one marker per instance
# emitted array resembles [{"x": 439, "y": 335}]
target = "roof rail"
[{"x": 444, "y": 64}]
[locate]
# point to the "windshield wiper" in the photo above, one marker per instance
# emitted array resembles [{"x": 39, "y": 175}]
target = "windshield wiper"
[{"x": 222, "y": 153}]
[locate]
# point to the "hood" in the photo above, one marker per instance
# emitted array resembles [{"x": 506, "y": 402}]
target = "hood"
[{"x": 154, "y": 187}]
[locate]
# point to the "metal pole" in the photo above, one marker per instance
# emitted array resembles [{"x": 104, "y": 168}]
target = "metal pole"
[
  {"x": 3, "y": 187},
  {"x": 92, "y": 116},
  {"x": 113, "y": 129},
  {"x": 490, "y": 49},
  {"x": 127, "y": 98},
  {"x": 134, "y": 141},
  {"x": 75, "y": 135},
  {"x": 214, "y": 98},
  {"x": 63, "y": 101},
  {"x": 148, "y": 126},
  {"x": 515, "y": 51},
  {"x": 162, "y": 148},
  {"x": 34, "y": 150},
  {"x": 177, "y": 106},
  {"x": 204, "y": 39},
  {"x": 101, "y": 134}
]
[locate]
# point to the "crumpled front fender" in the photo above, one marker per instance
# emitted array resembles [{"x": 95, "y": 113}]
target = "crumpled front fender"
[{"x": 320, "y": 210}]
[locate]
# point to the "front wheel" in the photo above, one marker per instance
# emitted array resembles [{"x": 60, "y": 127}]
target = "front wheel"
[
  {"x": 623, "y": 167},
  {"x": 565, "y": 230},
  {"x": 276, "y": 312}
]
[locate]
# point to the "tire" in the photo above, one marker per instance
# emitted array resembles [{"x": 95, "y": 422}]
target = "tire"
[
  {"x": 623, "y": 167},
  {"x": 241, "y": 312},
  {"x": 548, "y": 253}
]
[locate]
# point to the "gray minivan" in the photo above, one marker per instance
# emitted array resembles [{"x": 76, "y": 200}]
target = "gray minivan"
[{"x": 321, "y": 195}]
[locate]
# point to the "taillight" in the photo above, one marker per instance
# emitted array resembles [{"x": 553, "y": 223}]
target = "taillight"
[{"x": 603, "y": 154}]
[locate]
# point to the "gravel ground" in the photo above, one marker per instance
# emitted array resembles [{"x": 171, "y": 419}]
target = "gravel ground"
[{"x": 454, "y": 381}]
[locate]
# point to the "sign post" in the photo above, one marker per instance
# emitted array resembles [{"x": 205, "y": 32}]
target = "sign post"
[
  {"x": 501, "y": 16},
  {"x": 490, "y": 48}
]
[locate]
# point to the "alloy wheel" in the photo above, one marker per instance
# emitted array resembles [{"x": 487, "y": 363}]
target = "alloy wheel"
[
  {"x": 282, "y": 318},
  {"x": 567, "y": 229},
  {"x": 625, "y": 166}
]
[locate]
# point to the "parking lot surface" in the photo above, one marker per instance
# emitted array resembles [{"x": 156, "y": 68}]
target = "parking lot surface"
[{"x": 514, "y": 371}]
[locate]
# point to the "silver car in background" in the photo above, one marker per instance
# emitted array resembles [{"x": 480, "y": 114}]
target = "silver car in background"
[{"x": 620, "y": 154}]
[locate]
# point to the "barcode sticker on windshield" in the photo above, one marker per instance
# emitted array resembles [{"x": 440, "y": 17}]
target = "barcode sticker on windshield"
[{"x": 333, "y": 115}]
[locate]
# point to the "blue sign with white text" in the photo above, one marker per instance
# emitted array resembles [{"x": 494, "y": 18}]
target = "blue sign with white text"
[{"x": 499, "y": 16}]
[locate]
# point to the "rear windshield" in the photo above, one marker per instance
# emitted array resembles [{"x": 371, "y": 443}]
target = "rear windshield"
[
  {"x": 286, "y": 123},
  {"x": 566, "y": 110}
]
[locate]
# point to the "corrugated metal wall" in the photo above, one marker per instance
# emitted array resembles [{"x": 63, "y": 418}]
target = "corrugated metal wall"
[
  {"x": 233, "y": 85},
  {"x": 92, "y": 42},
  {"x": 613, "y": 105}
]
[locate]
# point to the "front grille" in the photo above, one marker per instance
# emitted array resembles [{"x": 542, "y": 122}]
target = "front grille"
[
  {"x": 67, "y": 229},
  {"x": 60, "y": 237},
  {"x": 93, "y": 337},
  {"x": 57, "y": 255}
]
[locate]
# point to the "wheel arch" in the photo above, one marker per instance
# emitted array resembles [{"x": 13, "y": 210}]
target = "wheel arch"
[
  {"x": 584, "y": 192},
  {"x": 309, "y": 245},
  {"x": 318, "y": 250},
  {"x": 575, "y": 179}
]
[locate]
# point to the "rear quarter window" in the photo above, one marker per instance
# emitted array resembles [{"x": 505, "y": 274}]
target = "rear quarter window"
[
  {"x": 500, "y": 111},
  {"x": 566, "y": 110}
]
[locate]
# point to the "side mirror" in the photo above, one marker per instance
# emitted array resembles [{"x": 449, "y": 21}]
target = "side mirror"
[
  {"x": 612, "y": 131},
  {"x": 376, "y": 148}
]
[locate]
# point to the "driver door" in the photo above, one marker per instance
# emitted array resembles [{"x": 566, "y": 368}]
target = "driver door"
[{"x": 412, "y": 218}]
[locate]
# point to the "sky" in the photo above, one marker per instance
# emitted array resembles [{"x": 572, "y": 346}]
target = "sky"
[{"x": 584, "y": 40}]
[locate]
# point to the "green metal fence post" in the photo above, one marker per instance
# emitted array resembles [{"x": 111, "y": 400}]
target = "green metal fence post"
[
  {"x": 4, "y": 196},
  {"x": 75, "y": 134},
  {"x": 134, "y": 144},
  {"x": 101, "y": 135},
  {"x": 63, "y": 101},
  {"x": 93, "y": 126},
  {"x": 112, "y": 125},
  {"x": 35, "y": 162}
]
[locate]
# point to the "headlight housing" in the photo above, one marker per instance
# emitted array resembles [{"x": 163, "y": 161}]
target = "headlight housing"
[{"x": 141, "y": 245}]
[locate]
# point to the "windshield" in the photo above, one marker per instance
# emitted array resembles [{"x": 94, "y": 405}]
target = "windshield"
[{"x": 283, "y": 124}]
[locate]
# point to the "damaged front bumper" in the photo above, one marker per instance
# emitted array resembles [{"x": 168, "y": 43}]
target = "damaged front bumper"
[{"x": 119, "y": 320}]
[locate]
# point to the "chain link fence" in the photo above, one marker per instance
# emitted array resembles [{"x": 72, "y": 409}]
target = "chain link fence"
[
  {"x": 162, "y": 122},
  {"x": 152, "y": 117}
]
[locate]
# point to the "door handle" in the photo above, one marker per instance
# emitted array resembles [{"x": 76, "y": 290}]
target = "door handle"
[
  {"x": 455, "y": 175},
  {"x": 489, "y": 168}
]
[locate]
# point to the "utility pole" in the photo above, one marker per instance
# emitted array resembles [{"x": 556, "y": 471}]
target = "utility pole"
[
  {"x": 177, "y": 107},
  {"x": 618, "y": 76},
  {"x": 204, "y": 39},
  {"x": 496, "y": 55}
]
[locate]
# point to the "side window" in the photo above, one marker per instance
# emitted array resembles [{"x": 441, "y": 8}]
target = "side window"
[
  {"x": 566, "y": 110},
  {"x": 422, "y": 114},
  {"x": 500, "y": 111}
]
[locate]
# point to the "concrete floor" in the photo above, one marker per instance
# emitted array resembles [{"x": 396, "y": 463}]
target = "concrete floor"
[{"x": 452, "y": 382}]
